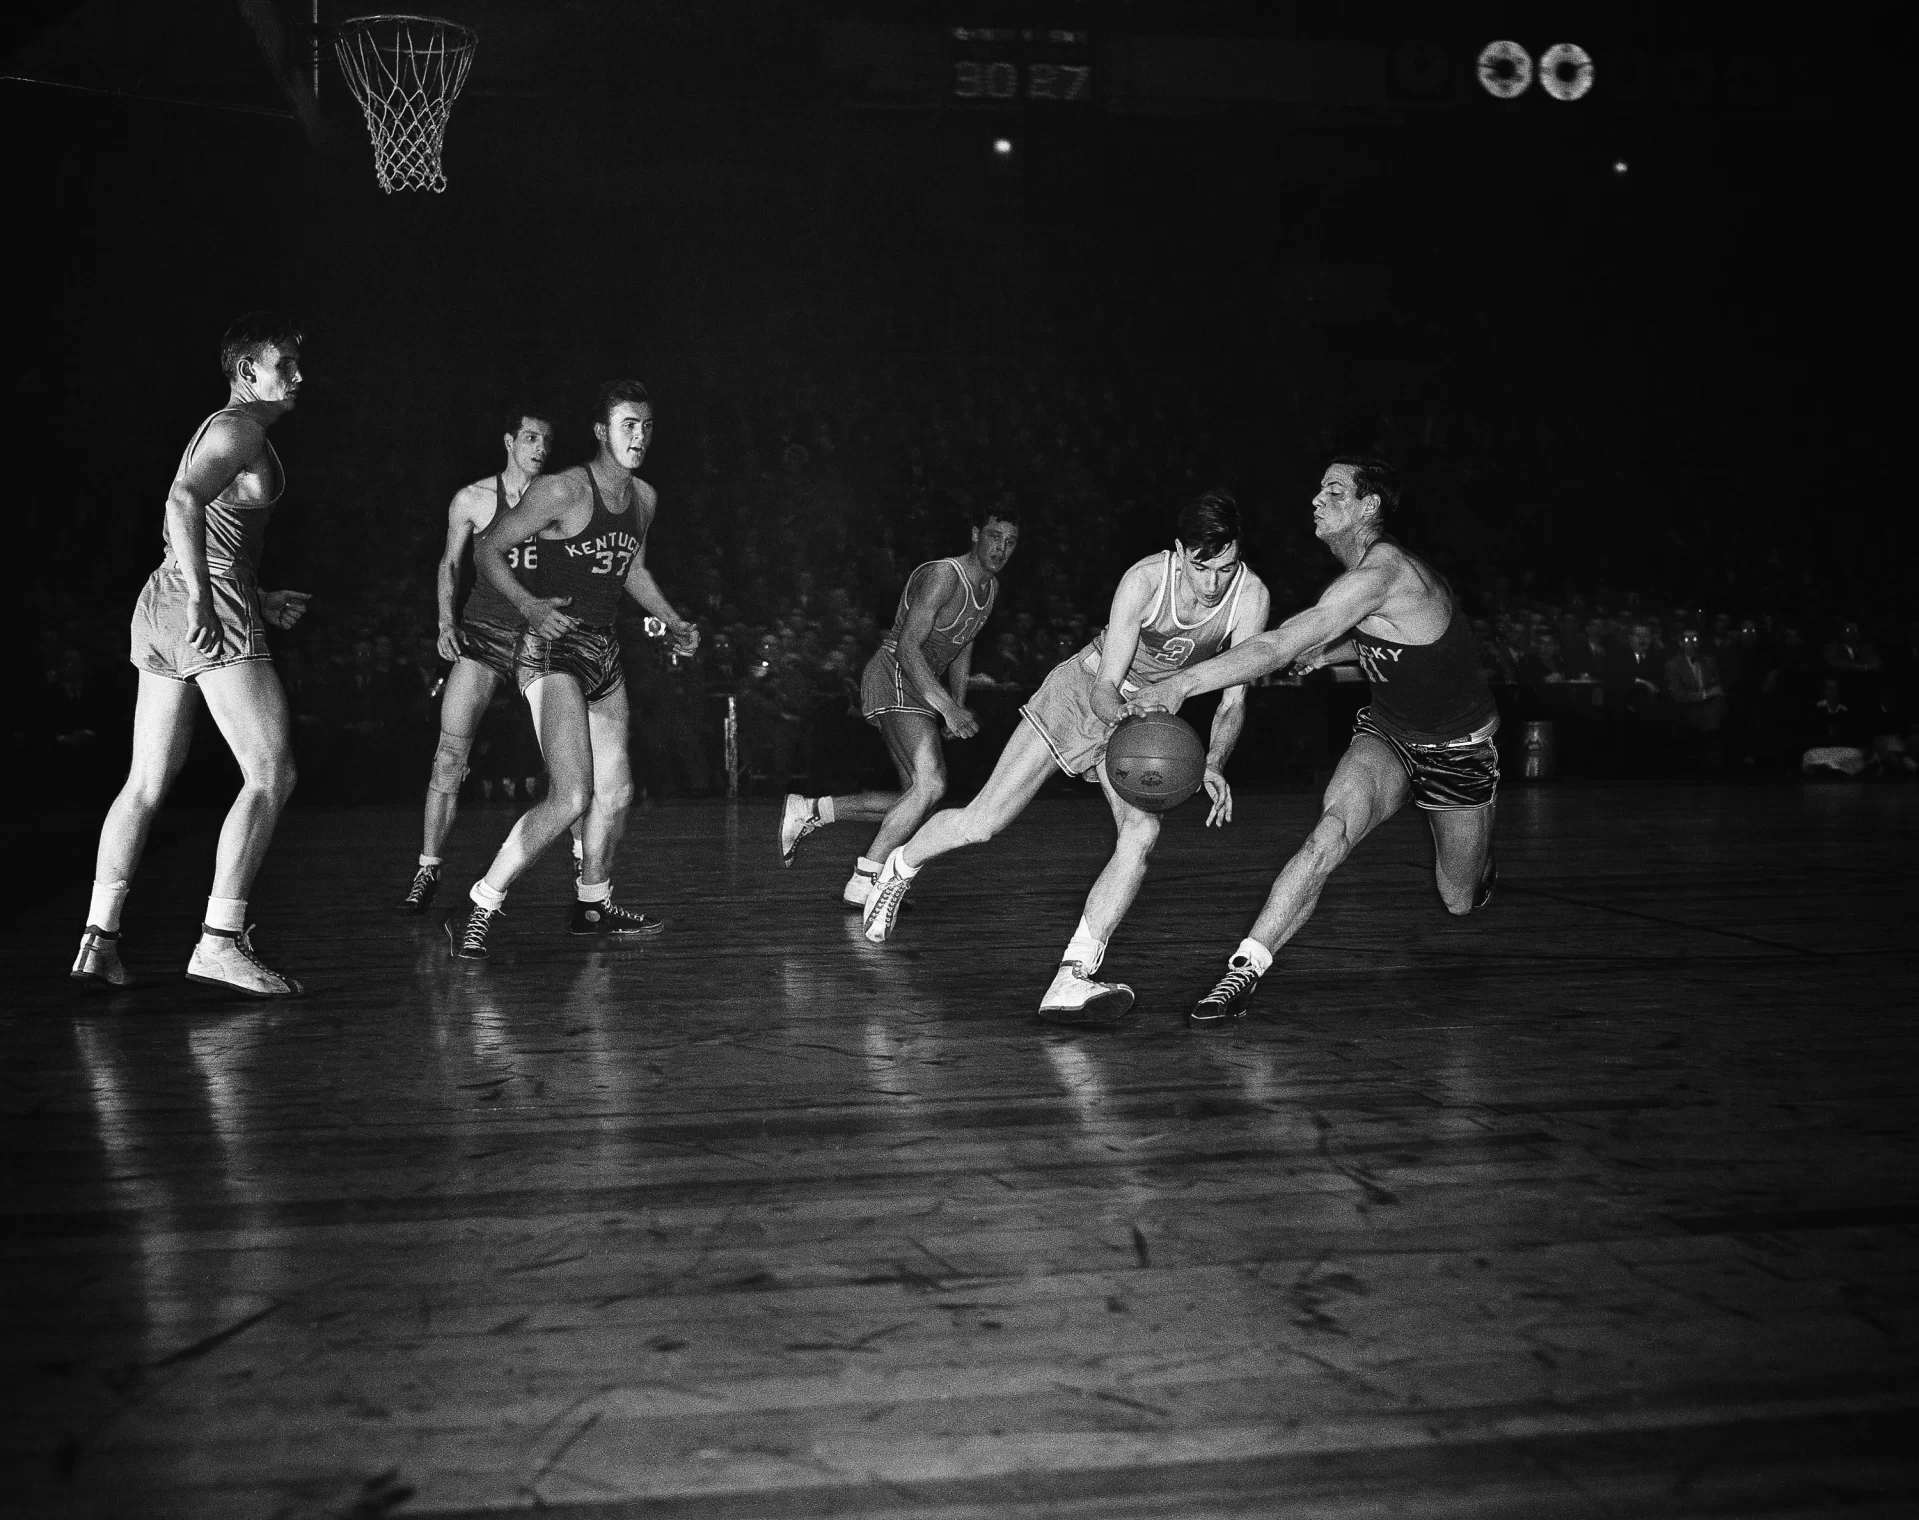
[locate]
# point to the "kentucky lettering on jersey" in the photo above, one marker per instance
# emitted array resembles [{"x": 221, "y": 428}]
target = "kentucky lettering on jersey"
[{"x": 611, "y": 553}]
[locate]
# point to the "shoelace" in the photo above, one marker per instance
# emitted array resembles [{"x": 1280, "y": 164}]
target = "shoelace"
[
  {"x": 243, "y": 942},
  {"x": 422, "y": 878},
  {"x": 1230, "y": 986},
  {"x": 891, "y": 894},
  {"x": 477, "y": 923}
]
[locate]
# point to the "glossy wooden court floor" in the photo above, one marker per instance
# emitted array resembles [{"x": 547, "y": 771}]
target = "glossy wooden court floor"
[{"x": 1599, "y": 1204}]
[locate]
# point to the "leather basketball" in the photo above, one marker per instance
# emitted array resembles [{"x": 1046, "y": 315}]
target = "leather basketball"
[{"x": 1155, "y": 761}]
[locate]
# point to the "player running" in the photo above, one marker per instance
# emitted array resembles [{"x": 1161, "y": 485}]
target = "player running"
[
  {"x": 1427, "y": 735},
  {"x": 483, "y": 641},
  {"x": 199, "y": 634},
  {"x": 1169, "y": 610},
  {"x": 592, "y": 522},
  {"x": 915, "y": 686}
]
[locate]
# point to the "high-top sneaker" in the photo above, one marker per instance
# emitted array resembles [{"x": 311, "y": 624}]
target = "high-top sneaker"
[
  {"x": 99, "y": 959},
  {"x": 419, "y": 895},
  {"x": 1075, "y": 998},
  {"x": 225, "y": 958},
  {"x": 608, "y": 917}
]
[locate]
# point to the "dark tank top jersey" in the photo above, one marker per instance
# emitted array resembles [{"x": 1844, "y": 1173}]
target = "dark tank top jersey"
[
  {"x": 591, "y": 566},
  {"x": 490, "y": 606},
  {"x": 1428, "y": 693}
]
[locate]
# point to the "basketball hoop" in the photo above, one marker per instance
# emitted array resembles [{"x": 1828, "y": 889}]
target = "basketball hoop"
[{"x": 406, "y": 72}]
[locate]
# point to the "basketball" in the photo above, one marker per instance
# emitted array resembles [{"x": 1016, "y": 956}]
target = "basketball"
[{"x": 1155, "y": 761}]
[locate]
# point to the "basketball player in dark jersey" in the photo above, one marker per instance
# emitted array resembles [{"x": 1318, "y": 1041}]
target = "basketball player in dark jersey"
[
  {"x": 1169, "y": 610},
  {"x": 945, "y": 604},
  {"x": 1427, "y": 736},
  {"x": 482, "y": 642},
  {"x": 592, "y": 523},
  {"x": 199, "y": 635}
]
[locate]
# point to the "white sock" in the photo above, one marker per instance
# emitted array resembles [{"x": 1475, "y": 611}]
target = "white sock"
[
  {"x": 823, "y": 810},
  {"x": 594, "y": 894},
  {"x": 487, "y": 897},
  {"x": 579, "y": 850},
  {"x": 1086, "y": 948},
  {"x": 865, "y": 867},
  {"x": 229, "y": 913},
  {"x": 897, "y": 860},
  {"x": 1251, "y": 953},
  {"x": 430, "y": 860},
  {"x": 103, "y": 912}
]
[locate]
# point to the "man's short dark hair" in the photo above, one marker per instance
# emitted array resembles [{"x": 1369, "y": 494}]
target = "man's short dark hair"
[
  {"x": 1373, "y": 476},
  {"x": 613, "y": 392},
  {"x": 252, "y": 334},
  {"x": 1005, "y": 510},
  {"x": 1209, "y": 522},
  {"x": 513, "y": 417}
]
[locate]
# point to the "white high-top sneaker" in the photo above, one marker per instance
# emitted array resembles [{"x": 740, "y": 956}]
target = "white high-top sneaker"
[
  {"x": 859, "y": 887},
  {"x": 225, "y": 958},
  {"x": 99, "y": 960},
  {"x": 1075, "y": 998},
  {"x": 800, "y": 817}
]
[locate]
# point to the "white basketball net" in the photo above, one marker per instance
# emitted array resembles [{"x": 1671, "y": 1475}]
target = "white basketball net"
[{"x": 406, "y": 72}]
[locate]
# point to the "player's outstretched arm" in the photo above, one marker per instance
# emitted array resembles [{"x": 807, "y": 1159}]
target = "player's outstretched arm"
[
  {"x": 1131, "y": 598},
  {"x": 543, "y": 506},
  {"x": 932, "y": 590},
  {"x": 1229, "y": 719},
  {"x": 1355, "y": 595},
  {"x": 230, "y": 442}
]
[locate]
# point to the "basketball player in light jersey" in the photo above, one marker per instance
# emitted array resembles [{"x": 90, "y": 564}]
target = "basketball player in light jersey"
[
  {"x": 1428, "y": 734},
  {"x": 1169, "y": 610},
  {"x": 914, "y": 686},
  {"x": 483, "y": 641},
  {"x": 199, "y": 635},
  {"x": 591, "y": 522}
]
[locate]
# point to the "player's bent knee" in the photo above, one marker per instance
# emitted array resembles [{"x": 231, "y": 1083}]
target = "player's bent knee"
[{"x": 572, "y": 799}]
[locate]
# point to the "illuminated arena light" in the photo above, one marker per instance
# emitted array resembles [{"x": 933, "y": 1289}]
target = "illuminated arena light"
[
  {"x": 1565, "y": 71},
  {"x": 1505, "y": 70},
  {"x": 1002, "y": 146}
]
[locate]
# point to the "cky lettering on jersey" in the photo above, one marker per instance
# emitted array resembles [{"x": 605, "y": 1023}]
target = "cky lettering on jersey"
[{"x": 1377, "y": 661}]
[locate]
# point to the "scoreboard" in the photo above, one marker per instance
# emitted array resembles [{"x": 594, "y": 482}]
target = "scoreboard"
[{"x": 1018, "y": 66}]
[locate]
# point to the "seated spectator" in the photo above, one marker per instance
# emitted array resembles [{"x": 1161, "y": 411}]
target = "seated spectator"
[
  {"x": 1891, "y": 726},
  {"x": 1587, "y": 660},
  {"x": 1542, "y": 665},
  {"x": 1698, "y": 700},
  {"x": 1849, "y": 653}
]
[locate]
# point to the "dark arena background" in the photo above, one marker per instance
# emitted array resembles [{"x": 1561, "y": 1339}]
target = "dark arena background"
[{"x": 1597, "y": 1202}]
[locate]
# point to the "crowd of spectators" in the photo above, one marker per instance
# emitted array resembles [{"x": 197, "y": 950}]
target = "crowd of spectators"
[{"x": 794, "y": 507}]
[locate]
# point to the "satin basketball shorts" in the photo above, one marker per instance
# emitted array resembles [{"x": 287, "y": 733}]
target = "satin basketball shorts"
[
  {"x": 590, "y": 655},
  {"x": 159, "y": 634},
  {"x": 1460, "y": 773},
  {"x": 494, "y": 645}
]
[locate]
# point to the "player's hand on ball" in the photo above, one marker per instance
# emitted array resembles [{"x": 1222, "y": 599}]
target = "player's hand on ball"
[
  {"x": 448, "y": 642},
  {"x": 1222, "y": 795},
  {"x": 546, "y": 619},
  {"x": 1161, "y": 696},
  {"x": 961, "y": 724},
  {"x": 284, "y": 608}
]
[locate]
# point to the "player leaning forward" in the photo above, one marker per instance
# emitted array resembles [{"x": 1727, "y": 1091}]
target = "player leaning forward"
[
  {"x": 1170, "y": 609},
  {"x": 1427, "y": 735},
  {"x": 199, "y": 634},
  {"x": 913, "y": 687},
  {"x": 592, "y": 522}
]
